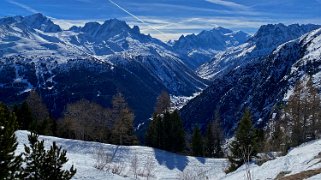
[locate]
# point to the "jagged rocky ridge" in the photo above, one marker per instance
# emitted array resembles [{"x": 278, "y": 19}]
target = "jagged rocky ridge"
[
  {"x": 200, "y": 48},
  {"x": 266, "y": 39}
]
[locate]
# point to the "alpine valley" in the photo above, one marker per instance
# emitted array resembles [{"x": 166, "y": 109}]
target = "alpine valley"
[{"x": 230, "y": 70}]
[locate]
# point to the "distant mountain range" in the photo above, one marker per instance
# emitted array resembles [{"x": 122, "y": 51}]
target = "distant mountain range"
[
  {"x": 93, "y": 62},
  {"x": 266, "y": 39},
  {"x": 96, "y": 61}
]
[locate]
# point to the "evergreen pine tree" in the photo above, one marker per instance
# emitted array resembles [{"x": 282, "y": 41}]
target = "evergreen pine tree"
[
  {"x": 42, "y": 123},
  {"x": 154, "y": 132},
  {"x": 167, "y": 141},
  {"x": 24, "y": 116},
  {"x": 45, "y": 165},
  {"x": 213, "y": 138},
  {"x": 34, "y": 158},
  {"x": 209, "y": 141},
  {"x": 177, "y": 133},
  {"x": 55, "y": 159},
  {"x": 10, "y": 165},
  {"x": 166, "y": 132},
  {"x": 244, "y": 146},
  {"x": 197, "y": 143}
]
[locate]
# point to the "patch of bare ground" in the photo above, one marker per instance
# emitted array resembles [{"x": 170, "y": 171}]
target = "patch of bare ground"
[{"x": 298, "y": 176}]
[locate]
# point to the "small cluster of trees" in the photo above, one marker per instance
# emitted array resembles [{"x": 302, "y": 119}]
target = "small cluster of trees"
[
  {"x": 35, "y": 162},
  {"x": 210, "y": 144},
  {"x": 166, "y": 129},
  {"x": 296, "y": 122},
  {"x": 33, "y": 115},
  {"x": 85, "y": 120},
  {"x": 166, "y": 132},
  {"x": 293, "y": 123}
]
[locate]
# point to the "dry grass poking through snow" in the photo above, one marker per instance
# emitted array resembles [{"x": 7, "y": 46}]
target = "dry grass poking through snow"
[{"x": 301, "y": 175}]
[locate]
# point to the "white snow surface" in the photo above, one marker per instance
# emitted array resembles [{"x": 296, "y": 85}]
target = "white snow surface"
[
  {"x": 302, "y": 158},
  {"x": 168, "y": 165}
]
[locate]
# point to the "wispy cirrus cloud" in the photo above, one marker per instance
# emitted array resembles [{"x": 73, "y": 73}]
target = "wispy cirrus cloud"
[
  {"x": 68, "y": 23},
  {"x": 229, "y": 4},
  {"x": 166, "y": 7},
  {"x": 173, "y": 28},
  {"x": 23, "y": 6}
]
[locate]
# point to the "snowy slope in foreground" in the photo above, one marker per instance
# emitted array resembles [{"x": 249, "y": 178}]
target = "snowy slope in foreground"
[
  {"x": 168, "y": 165},
  {"x": 300, "y": 159}
]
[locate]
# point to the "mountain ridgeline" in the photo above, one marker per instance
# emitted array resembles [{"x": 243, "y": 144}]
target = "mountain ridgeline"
[
  {"x": 98, "y": 60},
  {"x": 92, "y": 62},
  {"x": 198, "y": 49}
]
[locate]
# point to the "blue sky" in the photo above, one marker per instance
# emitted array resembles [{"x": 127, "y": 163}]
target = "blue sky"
[{"x": 168, "y": 19}]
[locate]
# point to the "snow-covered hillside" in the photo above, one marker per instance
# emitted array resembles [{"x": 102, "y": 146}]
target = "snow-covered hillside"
[
  {"x": 299, "y": 160},
  {"x": 167, "y": 165},
  {"x": 259, "y": 84},
  {"x": 81, "y": 154}
]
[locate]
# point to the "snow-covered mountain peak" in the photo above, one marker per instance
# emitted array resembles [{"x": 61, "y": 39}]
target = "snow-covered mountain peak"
[
  {"x": 200, "y": 48},
  {"x": 136, "y": 29},
  {"x": 112, "y": 41},
  {"x": 35, "y": 21},
  {"x": 272, "y": 35},
  {"x": 10, "y": 20},
  {"x": 114, "y": 24},
  {"x": 113, "y": 30},
  {"x": 89, "y": 27},
  {"x": 215, "y": 39},
  {"x": 221, "y": 30},
  {"x": 41, "y": 22}
]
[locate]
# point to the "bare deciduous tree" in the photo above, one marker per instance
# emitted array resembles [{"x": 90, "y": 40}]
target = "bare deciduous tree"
[
  {"x": 195, "y": 173},
  {"x": 163, "y": 102},
  {"x": 246, "y": 153},
  {"x": 123, "y": 130},
  {"x": 149, "y": 167},
  {"x": 87, "y": 121},
  {"x": 102, "y": 158},
  {"x": 134, "y": 163}
]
